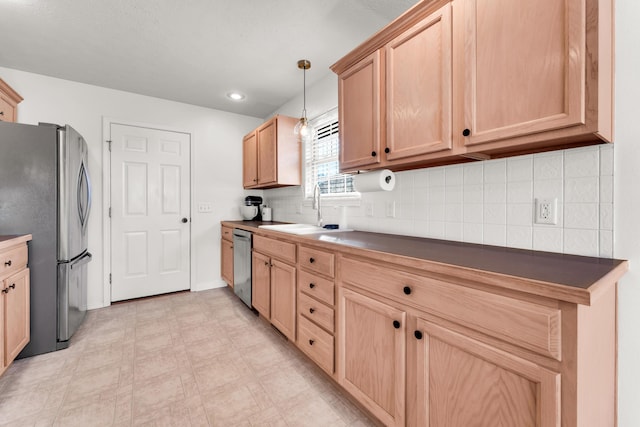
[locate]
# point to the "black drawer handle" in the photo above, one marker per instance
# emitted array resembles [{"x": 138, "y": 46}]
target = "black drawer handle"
[
  {"x": 406, "y": 290},
  {"x": 5, "y": 291},
  {"x": 373, "y": 154},
  {"x": 387, "y": 150},
  {"x": 311, "y": 285},
  {"x": 312, "y": 260},
  {"x": 466, "y": 132},
  {"x": 311, "y": 310},
  {"x": 311, "y": 342},
  {"x": 13, "y": 286},
  {"x": 418, "y": 335},
  {"x": 7, "y": 263},
  {"x": 396, "y": 324}
]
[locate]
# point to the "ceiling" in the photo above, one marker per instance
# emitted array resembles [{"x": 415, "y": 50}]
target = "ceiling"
[{"x": 192, "y": 51}]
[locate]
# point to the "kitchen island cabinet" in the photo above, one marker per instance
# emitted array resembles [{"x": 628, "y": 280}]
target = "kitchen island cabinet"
[
  {"x": 451, "y": 81},
  {"x": 271, "y": 155},
  {"x": 14, "y": 298},
  {"x": 431, "y": 332}
]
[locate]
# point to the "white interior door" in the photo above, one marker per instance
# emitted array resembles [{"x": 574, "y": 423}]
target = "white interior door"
[{"x": 150, "y": 211}]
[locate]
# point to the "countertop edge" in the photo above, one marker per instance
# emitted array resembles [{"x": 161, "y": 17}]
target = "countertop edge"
[
  {"x": 554, "y": 290},
  {"x": 8, "y": 241}
]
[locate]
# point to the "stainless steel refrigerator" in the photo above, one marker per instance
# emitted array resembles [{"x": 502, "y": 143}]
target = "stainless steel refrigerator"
[{"x": 45, "y": 191}]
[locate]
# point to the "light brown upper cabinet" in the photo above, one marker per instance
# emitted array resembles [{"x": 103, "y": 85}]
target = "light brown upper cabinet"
[
  {"x": 271, "y": 155},
  {"x": 9, "y": 100},
  {"x": 470, "y": 79}
]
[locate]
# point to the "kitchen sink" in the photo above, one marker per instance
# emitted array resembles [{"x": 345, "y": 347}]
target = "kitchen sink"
[{"x": 300, "y": 228}]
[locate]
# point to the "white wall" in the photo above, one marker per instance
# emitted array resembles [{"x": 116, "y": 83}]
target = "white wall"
[
  {"x": 627, "y": 208},
  {"x": 216, "y": 145}
]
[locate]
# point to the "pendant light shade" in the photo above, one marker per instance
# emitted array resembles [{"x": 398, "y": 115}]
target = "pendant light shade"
[{"x": 303, "y": 128}]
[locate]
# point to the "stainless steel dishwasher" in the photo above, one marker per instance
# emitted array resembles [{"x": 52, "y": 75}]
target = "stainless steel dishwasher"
[{"x": 242, "y": 265}]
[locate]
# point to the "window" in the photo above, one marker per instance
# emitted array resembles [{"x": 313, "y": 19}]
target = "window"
[{"x": 322, "y": 159}]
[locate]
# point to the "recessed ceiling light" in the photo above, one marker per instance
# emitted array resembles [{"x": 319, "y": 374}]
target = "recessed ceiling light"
[{"x": 236, "y": 96}]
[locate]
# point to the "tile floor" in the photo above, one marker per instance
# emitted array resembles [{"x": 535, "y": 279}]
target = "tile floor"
[{"x": 200, "y": 359}]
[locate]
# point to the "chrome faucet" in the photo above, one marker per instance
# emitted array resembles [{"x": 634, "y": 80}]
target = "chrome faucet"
[{"x": 316, "y": 204}]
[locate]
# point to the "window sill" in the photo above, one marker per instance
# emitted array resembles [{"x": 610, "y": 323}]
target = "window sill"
[{"x": 336, "y": 200}]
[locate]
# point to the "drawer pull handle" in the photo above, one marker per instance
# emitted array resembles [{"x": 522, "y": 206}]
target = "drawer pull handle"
[
  {"x": 396, "y": 324},
  {"x": 7, "y": 263},
  {"x": 311, "y": 285},
  {"x": 418, "y": 335},
  {"x": 266, "y": 263},
  {"x": 311, "y": 310},
  {"x": 406, "y": 290},
  {"x": 312, "y": 260},
  {"x": 311, "y": 342},
  {"x": 12, "y": 286},
  {"x": 466, "y": 132},
  {"x": 5, "y": 291}
]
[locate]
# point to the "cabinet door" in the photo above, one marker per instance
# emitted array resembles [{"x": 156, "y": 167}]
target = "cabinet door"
[
  {"x": 226, "y": 261},
  {"x": 261, "y": 284},
  {"x": 16, "y": 314},
  {"x": 418, "y": 78},
  {"x": 250, "y": 160},
  {"x": 516, "y": 78},
  {"x": 267, "y": 153},
  {"x": 371, "y": 355},
  {"x": 283, "y": 298},
  {"x": 359, "y": 100},
  {"x": 463, "y": 382}
]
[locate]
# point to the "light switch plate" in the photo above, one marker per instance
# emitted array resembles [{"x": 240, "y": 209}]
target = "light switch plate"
[{"x": 205, "y": 207}]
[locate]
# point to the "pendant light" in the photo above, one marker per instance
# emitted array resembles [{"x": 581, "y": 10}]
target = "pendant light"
[{"x": 303, "y": 128}]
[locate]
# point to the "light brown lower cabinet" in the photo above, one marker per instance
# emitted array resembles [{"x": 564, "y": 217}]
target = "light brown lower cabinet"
[
  {"x": 226, "y": 261},
  {"x": 273, "y": 292},
  {"x": 371, "y": 358}
]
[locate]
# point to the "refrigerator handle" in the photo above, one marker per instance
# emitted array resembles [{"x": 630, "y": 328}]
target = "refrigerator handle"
[
  {"x": 81, "y": 261},
  {"x": 83, "y": 210}
]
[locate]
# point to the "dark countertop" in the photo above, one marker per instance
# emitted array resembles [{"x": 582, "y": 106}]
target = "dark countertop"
[{"x": 579, "y": 275}]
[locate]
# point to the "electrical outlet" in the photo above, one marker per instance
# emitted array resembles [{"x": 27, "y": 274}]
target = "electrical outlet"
[
  {"x": 205, "y": 207},
  {"x": 391, "y": 209},
  {"x": 368, "y": 208},
  {"x": 547, "y": 211}
]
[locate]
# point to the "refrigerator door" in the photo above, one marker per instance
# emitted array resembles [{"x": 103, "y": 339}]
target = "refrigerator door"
[
  {"x": 72, "y": 298},
  {"x": 74, "y": 189}
]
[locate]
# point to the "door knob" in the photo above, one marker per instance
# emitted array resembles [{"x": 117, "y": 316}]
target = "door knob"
[{"x": 184, "y": 220}]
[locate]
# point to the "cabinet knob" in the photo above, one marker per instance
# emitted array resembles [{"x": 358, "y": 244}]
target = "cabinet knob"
[
  {"x": 373, "y": 154},
  {"x": 1, "y": 113},
  {"x": 406, "y": 290},
  {"x": 312, "y": 260},
  {"x": 311, "y": 310},
  {"x": 311, "y": 342},
  {"x": 12, "y": 286},
  {"x": 386, "y": 150},
  {"x": 418, "y": 335},
  {"x": 466, "y": 132},
  {"x": 312, "y": 285},
  {"x": 266, "y": 263},
  {"x": 396, "y": 324},
  {"x": 7, "y": 263}
]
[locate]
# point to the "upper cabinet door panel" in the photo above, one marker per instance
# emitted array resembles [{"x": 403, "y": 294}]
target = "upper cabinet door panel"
[
  {"x": 267, "y": 154},
  {"x": 418, "y": 77},
  {"x": 359, "y": 113},
  {"x": 523, "y": 64},
  {"x": 250, "y": 160}
]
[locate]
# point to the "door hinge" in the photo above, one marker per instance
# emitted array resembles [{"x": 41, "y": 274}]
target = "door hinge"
[
  {"x": 109, "y": 142},
  {"x": 109, "y": 278}
]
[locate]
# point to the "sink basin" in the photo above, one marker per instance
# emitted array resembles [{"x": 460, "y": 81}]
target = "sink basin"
[{"x": 300, "y": 228}]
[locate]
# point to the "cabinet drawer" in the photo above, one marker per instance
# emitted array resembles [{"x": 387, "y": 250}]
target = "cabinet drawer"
[
  {"x": 277, "y": 248},
  {"x": 316, "y": 343},
  {"x": 317, "y": 260},
  {"x": 317, "y": 287},
  {"x": 316, "y": 311},
  {"x": 227, "y": 233},
  {"x": 532, "y": 326},
  {"x": 13, "y": 260}
]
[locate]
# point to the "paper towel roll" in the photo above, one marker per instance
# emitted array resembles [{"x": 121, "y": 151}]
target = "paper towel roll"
[{"x": 382, "y": 180}]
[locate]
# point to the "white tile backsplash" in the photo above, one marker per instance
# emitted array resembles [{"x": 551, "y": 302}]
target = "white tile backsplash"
[{"x": 489, "y": 202}]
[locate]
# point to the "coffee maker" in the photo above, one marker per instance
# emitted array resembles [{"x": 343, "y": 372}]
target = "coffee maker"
[{"x": 251, "y": 208}]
